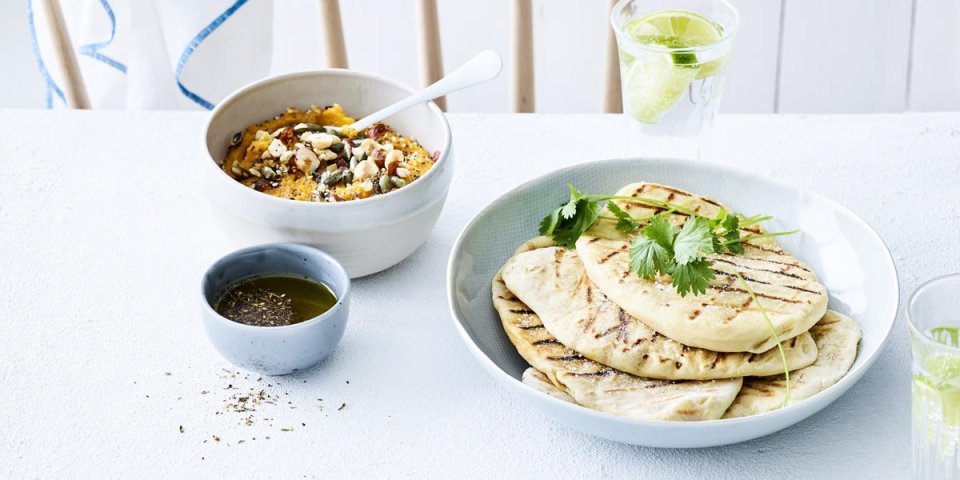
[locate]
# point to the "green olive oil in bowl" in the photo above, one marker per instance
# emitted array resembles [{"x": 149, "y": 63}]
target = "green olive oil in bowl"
[{"x": 274, "y": 300}]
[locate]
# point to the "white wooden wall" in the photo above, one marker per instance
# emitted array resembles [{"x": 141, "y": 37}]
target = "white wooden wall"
[{"x": 794, "y": 56}]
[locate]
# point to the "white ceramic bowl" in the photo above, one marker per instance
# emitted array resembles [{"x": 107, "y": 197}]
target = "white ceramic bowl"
[
  {"x": 367, "y": 235},
  {"x": 849, "y": 258}
]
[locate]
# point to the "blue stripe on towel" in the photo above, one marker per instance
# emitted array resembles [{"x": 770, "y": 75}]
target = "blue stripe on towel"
[
  {"x": 51, "y": 86},
  {"x": 93, "y": 50},
  {"x": 192, "y": 46}
]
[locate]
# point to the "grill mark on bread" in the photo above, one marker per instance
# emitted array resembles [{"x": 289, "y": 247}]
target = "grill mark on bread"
[
  {"x": 531, "y": 327},
  {"x": 600, "y": 373},
  {"x": 548, "y": 341},
  {"x": 696, "y": 313},
  {"x": 606, "y": 332},
  {"x": 762, "y": 282},
  {"x": 715, "y": 360},
  {"x": 509, "y": 299},
  {"x": 761, "y": 259},
  {"x": 566, "y": 358},
  {"x": 594, "y": 239},
  {"x": 726, "y": 288},
  {"x": 522, "y": 311},
  {"x": 747, "y": 267},
  {"x": 609, "y": 256},
  {"x": 557, "y": 255},
  {"x": 622, "y": 326}
]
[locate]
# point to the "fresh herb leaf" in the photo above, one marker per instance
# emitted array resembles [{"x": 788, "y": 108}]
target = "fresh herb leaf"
[
  {"x": 568, "y": 230},
  {"x": 651, "y": 253},
  {"x": 730, "y": 223},
  {"x": 549, "y": 223},
  {"x": 648, "y": 258},
  {"x": 732, "y": 242},
  {"x": 570, "y": 209},
  {"x": 625, "y": 222},
  {"x": 661, "y": 231},
  {"x": 694, "y": 276},
  {"x": 694, "y": 241}
]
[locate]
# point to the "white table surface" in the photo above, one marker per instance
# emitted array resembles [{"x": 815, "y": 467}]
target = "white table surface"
[{"x": 104, "y": 236}]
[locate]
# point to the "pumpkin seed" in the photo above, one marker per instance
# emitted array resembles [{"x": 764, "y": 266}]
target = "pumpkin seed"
[
  {"x": 332, "y": 177},
  {"x": 398, "y": 182},
  {"x": 385, "y": 184},
  {"x": 336, "y": 147},
  {"x": 269, "y": 172},
  {"x": 307, "y": 127},
  {"x": 237, "y": 137},
  {"x": 348, "y": 177}
]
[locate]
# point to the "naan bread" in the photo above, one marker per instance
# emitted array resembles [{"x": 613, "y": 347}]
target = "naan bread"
[
  {"x": 535, "y": 378},
  {"x": 602, "y": 388},
  {"x": 837, "y": 337},
  {"x": 725, "y": 319},
  {"x": 553, "y": 283}
]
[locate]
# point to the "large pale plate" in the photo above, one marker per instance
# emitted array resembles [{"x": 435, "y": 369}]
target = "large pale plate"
[{"x": 847, "y": 255}]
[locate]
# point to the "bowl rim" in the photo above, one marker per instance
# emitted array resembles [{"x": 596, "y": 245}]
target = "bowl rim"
[
  {"x": 310, "y": 251},
  {"x": 342, "y": 72},
  {"x": 851, "y": 377}
]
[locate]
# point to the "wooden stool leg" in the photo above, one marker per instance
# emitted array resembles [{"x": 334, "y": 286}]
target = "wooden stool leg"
[
  {"x": 333, "y": 33},
  {"x": 611, "y": 101},
  {"x": 521, "y": 84},
  {"x": 428, "y": 46}
]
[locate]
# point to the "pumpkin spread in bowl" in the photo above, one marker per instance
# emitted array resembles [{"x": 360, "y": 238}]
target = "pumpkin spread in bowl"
[{"x": 298, "y": 156}]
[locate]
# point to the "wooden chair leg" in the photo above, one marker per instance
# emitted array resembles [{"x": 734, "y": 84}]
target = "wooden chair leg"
[
  {"x": 333, "y": 33},
  {"x": 521, "y": 83},
  {"x": 428, "y": 46},
  {"x": 75, "y": 91}
]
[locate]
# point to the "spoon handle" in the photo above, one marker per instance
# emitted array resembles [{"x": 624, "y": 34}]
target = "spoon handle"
[{"x": 481, "y": 68}]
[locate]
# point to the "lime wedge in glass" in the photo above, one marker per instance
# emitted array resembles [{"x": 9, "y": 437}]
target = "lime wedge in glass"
[
  {"x": 653, "y": 86},
  {"x": 654, "y": 83},
  {"x": 674, "y": 29},
  {"x": 941, "y": 374}
]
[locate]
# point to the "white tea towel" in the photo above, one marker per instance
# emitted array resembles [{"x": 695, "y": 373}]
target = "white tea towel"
[{"x": 159, "y": 54}]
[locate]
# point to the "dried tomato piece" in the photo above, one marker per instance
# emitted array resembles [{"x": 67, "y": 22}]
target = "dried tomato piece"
[
  {"x": 288, "y": 137},
  {"x": 376, "y": 131}
]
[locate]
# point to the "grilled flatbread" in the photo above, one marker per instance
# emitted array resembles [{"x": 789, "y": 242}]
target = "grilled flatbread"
[
  {"x": 536, "y": 379},
  {"x": 837, "y": 337},
  {"x": 725, "y": 319},
  {"x": 602, "y": 388},
  {"x": 553, "y": 283}
]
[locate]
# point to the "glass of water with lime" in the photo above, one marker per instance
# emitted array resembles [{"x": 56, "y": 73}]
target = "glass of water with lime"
[
  {"x": 933, "y": 315},
  {"x": 673, "y": 57}
]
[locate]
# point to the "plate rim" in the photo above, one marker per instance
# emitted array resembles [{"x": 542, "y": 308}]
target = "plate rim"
[{"x": 840, "y": 386}]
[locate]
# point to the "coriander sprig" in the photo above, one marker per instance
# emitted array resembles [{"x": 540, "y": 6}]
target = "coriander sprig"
[
  {"x": 661, "y": 248},
  {"x": 568, "y": 221}
]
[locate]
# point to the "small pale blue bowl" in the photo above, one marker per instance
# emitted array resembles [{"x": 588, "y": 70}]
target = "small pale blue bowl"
[{"x": 276, "y": 350}]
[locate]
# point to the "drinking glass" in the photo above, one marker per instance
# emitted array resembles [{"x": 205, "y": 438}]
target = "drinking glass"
[
  {"x": 673, "y": 59},
  {"x": 933, "y": 315}
]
